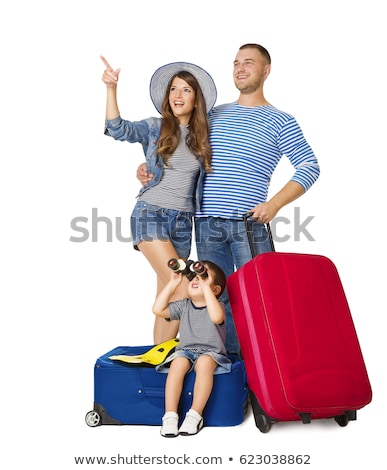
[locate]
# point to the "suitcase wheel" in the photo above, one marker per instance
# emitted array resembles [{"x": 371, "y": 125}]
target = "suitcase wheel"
[
  {"x": 93, "y": 419},
  {"x": 343, "y": 420},
  {"x": 262, "y": 423}
]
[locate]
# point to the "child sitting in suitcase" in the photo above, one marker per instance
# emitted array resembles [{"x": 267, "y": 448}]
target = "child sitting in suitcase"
[{"x": 202, "y": 335}]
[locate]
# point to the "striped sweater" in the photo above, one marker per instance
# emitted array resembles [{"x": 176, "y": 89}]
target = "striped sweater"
[{"x": 247, "y": 144}]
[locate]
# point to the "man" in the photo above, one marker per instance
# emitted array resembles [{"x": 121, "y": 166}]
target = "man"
[{"x": 248, "y": 139}]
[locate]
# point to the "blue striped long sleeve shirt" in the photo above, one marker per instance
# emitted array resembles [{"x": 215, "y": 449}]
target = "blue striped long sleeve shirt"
[{"x": 247, "y": 145}]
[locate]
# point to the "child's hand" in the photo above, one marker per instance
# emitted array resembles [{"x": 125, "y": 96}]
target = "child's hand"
[
  {"x": 205, "y": 280},
  {"x": 176, "y": 279}
]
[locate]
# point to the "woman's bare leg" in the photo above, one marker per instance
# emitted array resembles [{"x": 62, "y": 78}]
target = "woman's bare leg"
[{"x": 158, "y": 253}]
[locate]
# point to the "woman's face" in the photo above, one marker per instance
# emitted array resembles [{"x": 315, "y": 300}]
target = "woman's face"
[{"x": 181, "y": 100}]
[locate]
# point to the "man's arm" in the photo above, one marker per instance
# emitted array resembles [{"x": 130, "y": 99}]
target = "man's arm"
[
  {"x": 266, "y": 211},
  {"x": 142, "y": 174}
]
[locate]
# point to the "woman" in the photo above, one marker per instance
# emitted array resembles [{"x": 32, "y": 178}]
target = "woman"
[{"x": 178, "y": 154}]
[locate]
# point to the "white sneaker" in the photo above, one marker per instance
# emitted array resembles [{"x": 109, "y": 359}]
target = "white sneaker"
[
  {"x": 170, "y": 424},
  {"x": 192, "y": 424}
]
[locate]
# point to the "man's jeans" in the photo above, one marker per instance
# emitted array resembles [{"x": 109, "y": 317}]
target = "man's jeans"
[{"x": 225, "y": 242}]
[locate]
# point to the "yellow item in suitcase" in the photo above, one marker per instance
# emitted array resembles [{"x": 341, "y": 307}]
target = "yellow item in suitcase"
[{"x": 154, "y": 356}]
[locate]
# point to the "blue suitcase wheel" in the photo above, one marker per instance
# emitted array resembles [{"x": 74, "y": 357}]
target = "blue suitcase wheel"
[{"x": 93, "y": 419}]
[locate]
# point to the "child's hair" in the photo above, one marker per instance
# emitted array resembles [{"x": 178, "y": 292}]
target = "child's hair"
[{"x": 218, "y": 275}]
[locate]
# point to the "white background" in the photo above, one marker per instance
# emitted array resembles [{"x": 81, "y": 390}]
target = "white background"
[{"x": 64, "y": 304}]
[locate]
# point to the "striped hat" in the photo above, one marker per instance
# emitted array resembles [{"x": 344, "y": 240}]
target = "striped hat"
[{"x": 161, "y": 78}]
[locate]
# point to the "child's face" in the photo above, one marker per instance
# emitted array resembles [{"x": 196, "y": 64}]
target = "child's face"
[
  {"x": 195, "y": 286},
  {"x": 196, "y": 283}
]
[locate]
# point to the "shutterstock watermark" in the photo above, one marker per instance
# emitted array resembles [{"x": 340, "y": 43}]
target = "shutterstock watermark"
[
  {"x": 87, "y": 227},
  {"x": 101, "y": 228}
]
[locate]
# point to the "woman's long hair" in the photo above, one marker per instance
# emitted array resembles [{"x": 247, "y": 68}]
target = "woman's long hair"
[{"x": 198, "y": 136}]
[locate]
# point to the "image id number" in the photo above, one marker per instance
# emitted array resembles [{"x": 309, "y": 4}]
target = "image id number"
[{"x": 274, "y": 459}]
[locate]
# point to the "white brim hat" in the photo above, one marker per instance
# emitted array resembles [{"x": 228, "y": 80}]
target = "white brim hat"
[{"x": 161, "y": 78}]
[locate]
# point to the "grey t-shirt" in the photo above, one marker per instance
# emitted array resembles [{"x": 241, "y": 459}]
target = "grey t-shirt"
[{"x": 196, "y": 328}]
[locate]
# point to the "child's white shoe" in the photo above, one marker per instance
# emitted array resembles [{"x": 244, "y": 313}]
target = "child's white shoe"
[
  {"x": 170, "y": 424},
  {"x": 192, "y": 423}
]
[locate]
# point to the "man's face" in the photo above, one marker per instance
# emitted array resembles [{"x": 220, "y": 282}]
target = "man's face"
[{"x": 250, "y": 70}]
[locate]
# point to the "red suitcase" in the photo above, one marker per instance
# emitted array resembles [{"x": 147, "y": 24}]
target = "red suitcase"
[{"x": 298, "y": 340}]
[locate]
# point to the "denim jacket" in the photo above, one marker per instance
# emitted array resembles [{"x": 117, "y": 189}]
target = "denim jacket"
[{"x": 147, "y": 132}]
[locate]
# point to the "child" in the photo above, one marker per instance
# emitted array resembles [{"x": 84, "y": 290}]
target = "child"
[{"x": 202, "y": 335}]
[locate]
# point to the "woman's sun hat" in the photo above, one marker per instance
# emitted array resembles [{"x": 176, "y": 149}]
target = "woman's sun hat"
[{"x": 160, "y": 80}]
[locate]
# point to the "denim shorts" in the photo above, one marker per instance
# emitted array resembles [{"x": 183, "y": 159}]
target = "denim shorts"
[
  {"x": 149, "y": 222},
  {"x": 224, "y": 363}
]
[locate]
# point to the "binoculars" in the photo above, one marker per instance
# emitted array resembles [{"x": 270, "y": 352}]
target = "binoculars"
[{"x": 188, "y": 268}]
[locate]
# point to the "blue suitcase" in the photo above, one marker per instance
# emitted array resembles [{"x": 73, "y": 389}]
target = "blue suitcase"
[{"x": 134, "y": 393}]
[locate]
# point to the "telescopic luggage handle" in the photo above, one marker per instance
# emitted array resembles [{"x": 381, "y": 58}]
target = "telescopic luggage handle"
[{"x": 250, "y": 234}]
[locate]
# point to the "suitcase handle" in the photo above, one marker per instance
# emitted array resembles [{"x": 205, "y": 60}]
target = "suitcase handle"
[{"x": 250, "y": 234}]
